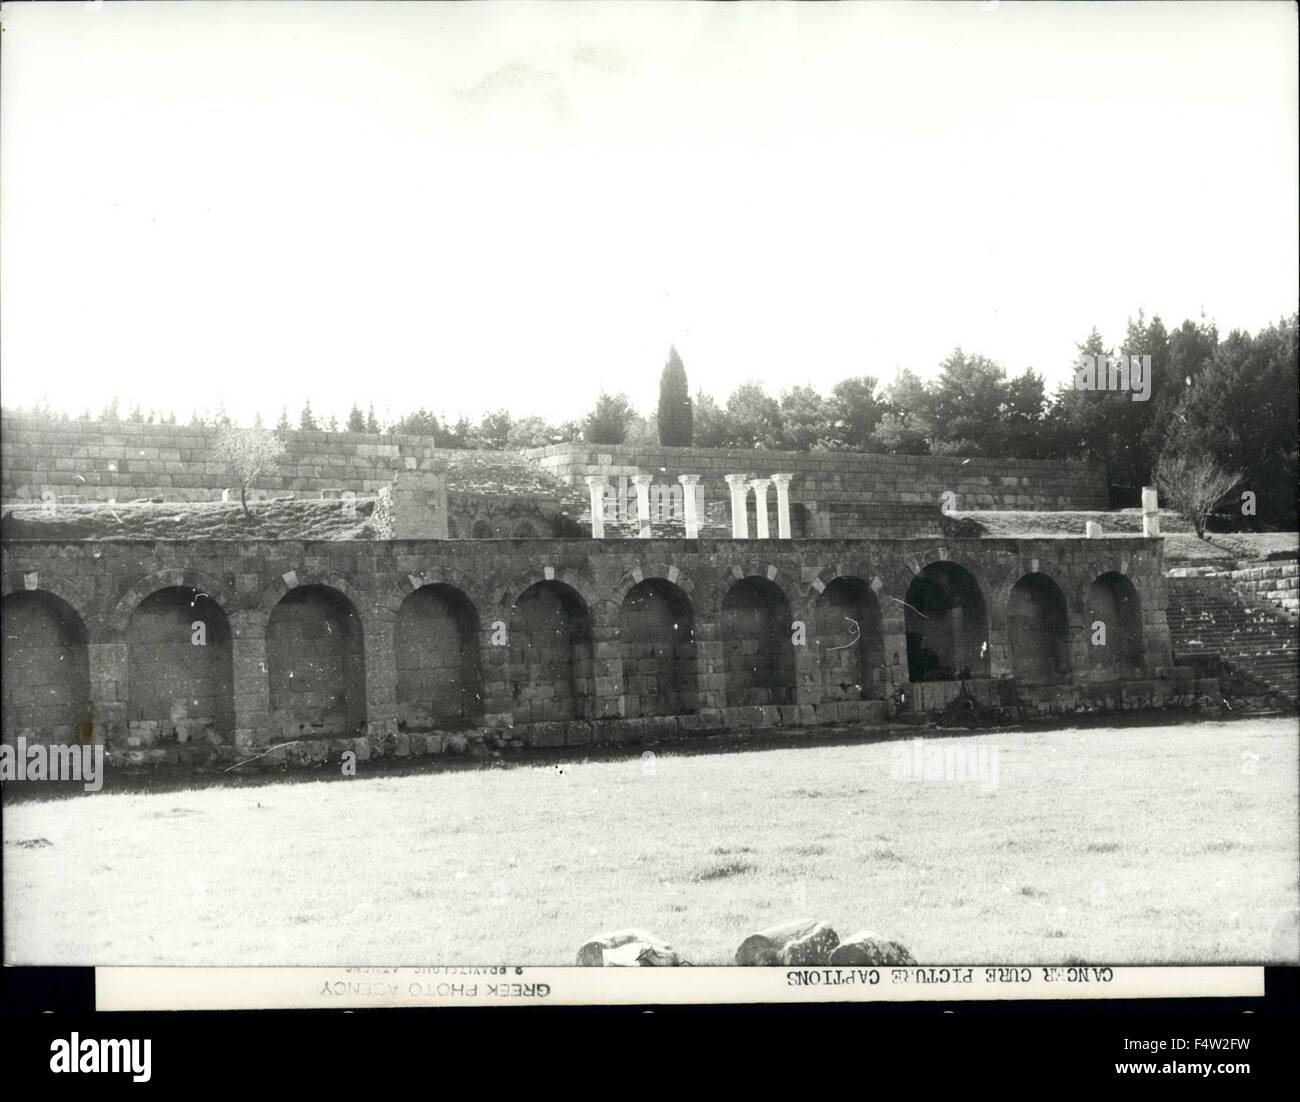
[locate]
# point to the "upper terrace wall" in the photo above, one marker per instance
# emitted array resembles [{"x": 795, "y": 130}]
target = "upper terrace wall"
[
  {"x": 100, "y": 461},
  {"x": 493, "y": 493},
  {"x": 846, "y": 493}
]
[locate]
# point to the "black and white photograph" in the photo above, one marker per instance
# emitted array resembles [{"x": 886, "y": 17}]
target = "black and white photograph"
[{"x": 503, "y": 486}]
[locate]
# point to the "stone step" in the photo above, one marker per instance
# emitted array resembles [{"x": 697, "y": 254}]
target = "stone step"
[{"x": 1255, "y": 643}]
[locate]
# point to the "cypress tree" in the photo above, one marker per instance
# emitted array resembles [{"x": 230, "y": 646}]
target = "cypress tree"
[{"x": 676, "y": 416}]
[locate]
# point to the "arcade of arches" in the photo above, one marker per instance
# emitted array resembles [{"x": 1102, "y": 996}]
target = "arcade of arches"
[{"x": 702, "y": 645}]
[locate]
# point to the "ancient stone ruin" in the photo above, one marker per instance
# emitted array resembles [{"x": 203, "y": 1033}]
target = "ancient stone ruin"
[{"x": 559, "y": 598}]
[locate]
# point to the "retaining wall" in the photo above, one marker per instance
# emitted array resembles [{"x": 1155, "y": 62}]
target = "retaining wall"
[{"x": 342, "y": 645}]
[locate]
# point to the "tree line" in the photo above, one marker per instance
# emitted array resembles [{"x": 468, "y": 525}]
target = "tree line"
[{"x": 1230, "y": 401}]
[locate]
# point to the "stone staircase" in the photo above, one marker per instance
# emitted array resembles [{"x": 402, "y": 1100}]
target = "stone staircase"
[{"x": 1254, "y": 641}]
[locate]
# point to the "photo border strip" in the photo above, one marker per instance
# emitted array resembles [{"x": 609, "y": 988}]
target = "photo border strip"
[{"x": 347, "y": 988}]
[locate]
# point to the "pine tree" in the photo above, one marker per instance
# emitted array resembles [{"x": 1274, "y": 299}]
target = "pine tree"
[
  {"x": 283, "y": 426},
  {"x": 305, "y": 419},
  {"x": 356, "y": 419},
  {"x": 676, "y": 414},
  {"x": 372, "y": 425},
  {"x": 608, "y": 422}
]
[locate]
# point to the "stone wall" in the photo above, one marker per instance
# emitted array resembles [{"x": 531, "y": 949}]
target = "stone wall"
[
  {"x": 505, "y": 516},
  {"x": 507, "y": 495},
  {"x": 388, "y": 647},
  {"x": 435, "y": 643},
  {"x": 848, "y": 494},
  {"x": 490, "y": 495},
  {"x": 99, "y": 461},
  {"x": 181, "y": 656},
  {"x": 1277, "y": 582},
  {"x": 1274, "y": 581},
  {"x": 315, "y": 659},
  {"x": 46, "y": 668}
]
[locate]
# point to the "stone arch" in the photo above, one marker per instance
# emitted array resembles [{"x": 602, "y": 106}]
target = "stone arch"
[
  {"x": 679, "y": 579},
  {"x": 715, "y": 585},
  {"x": 180, "y": 662},
  {"x": 46, "y": 675},
  {"x": 579, "y": 583},
  {"x": 213, "y": 588},
  {"x": 758, "y": 654},
  {"x": 482, "y": 530},
  {"x": 1113, "y": 601},
  {"x": 550, "y": 653},
  {"x": 448, "y": 576},
  {"x": 315, "y": 657},
  {"x": 848, "y": 639},
  {"x": 656, "y": 628},
  {"x": 946, "y": 623},
  {"x": 453, "y": 532},
  {"x": 77, "y": 594},
  {"x": 523, "y": 530},
  {"x": 1038, "y": 627},
  {"x": 282, "y": 585},
  {"x": 436, "y": 649}
]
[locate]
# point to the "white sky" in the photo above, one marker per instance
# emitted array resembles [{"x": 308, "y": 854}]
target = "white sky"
[{"x": 470, "y": 206}]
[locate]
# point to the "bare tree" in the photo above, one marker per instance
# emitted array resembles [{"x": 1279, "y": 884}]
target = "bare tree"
[
  {"x": 1194, "y": 485},
  {"x": 246, "y": 454}
]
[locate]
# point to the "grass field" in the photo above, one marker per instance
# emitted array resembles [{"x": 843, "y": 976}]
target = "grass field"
[{"x": 1104, "y": 845}]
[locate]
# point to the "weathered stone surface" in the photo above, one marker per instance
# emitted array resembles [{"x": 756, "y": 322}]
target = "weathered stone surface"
[
  {"x": 325, "y": 640},
  {"x": 867, "y": 948},
  {"x": 801, "y": 942},
  {"x": 627, "y": 948}
]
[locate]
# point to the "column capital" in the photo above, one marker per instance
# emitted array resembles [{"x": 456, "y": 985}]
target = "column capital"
[
  {"x": 689, "y": 479},
  {"x": 642, "y": 479},
  {"x": 782, "y": 480},
  {"x": 760, "y": 484},
  {"x": 596, "y": 481},
  {"x": 737, "y": 481}
]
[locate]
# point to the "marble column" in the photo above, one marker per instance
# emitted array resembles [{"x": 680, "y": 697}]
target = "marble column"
[
  {"x": 739, "y": 503},
  {"x": 1150, "y": 511},
  {"x": 642, "y": 484},
  {"x": 690, "y": 489},
  {"x": 782, "y": 483},
  {"x": 760, "y": 508},
  {"x": 596, "y": 484}
]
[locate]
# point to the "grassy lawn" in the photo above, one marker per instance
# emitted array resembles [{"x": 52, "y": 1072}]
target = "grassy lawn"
[{"x": 1108, "y": 845}]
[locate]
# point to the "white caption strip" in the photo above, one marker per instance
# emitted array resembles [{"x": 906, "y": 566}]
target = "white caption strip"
[{"x": 355, "y": 988}]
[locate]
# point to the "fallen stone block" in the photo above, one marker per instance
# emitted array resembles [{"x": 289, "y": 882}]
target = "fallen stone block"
[
  {"x": 803, "y": 941},
  {"x": 867, "y": 948},
  {"x": 627, "y": 948}
]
